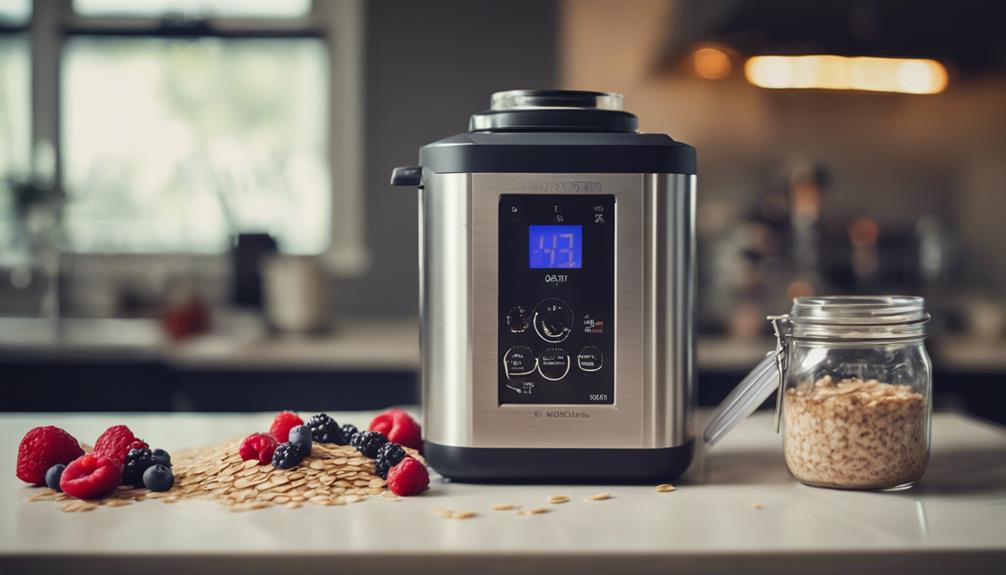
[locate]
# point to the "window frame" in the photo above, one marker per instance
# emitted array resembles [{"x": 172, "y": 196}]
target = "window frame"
[{"x": 338, "y": 24}]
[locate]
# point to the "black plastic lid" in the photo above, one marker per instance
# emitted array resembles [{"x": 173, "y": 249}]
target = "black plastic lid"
[
  {"x": 554, "y": 111},
  {"x": 552, "y": 131}
]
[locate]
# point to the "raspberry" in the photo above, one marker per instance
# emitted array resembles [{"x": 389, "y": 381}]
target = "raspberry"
[
  {"x": 281, "y": 426},
  {"x": 409, "y": 477},
  {"x": 40, "y": 449},
  {"x": 258, "y": 446},
  {"x": 399, "y": 427},
  {"x": 116, "y": 442},
  {"x": 91, "y": 476}
]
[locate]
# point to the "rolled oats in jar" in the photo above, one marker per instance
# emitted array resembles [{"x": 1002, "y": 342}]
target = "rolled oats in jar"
[{"x": 855, "y": 399}]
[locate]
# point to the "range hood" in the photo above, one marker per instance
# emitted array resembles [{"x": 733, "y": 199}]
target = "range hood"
[{"x": 965, "y": 36}]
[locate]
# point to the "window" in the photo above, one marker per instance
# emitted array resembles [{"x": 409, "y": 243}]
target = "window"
[
  {"x": 177, "y": 144},
  {"x": 14, "y": 12},
  {"x": 214, "y": 8},
  {"x": 15, "y": 107},
  {"x": 184, "y": 122}
]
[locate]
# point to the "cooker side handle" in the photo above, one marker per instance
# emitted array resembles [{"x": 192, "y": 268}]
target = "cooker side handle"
[{"x": 411, "y": 176}]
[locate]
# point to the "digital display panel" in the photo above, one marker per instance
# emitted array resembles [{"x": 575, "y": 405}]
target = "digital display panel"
[{"x": 551, "y": 247}]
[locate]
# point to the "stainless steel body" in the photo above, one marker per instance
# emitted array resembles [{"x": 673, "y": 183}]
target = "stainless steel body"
[{"x": 654, "y": 293}]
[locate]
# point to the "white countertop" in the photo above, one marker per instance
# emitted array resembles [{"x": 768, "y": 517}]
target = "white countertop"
[{"x": 955, "y": 520}]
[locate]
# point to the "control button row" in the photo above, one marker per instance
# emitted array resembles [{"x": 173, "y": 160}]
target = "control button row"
[
  {"x": 553, "y": 320},
  {"x": 553, "y": 364}
]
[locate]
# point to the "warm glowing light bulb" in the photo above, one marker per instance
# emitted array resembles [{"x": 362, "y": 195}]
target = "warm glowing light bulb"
[
  {"x": 711, "y": 63},
  {"x": 826, "y": 72}
]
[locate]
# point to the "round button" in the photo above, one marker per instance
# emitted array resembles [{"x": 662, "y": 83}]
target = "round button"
[
  {"x": 590, "y": 358},
  {"x": 553, "y": 364},
  {"x": 517, "y": 319},
  {"x": 553, "y": 320},
  {"x": 519, "y": 360}
]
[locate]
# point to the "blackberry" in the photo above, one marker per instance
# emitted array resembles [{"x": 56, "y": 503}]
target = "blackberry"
[
  {"x": 161, "y": 457},
  {"x": 137, "y": 461},
  {"x": 348, "y": 431},
  {"x": 388, "y": 456},
  {"x": 368, "y": 442},
  {"x": 324, "y": 429},
  {"x": 288, "y": 455}
]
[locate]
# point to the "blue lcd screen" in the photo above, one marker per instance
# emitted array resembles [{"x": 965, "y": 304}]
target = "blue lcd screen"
[{"x": 552, "y": 247}]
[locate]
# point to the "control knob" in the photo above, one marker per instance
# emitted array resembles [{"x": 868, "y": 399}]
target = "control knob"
[{"x": 553, "y": 320}]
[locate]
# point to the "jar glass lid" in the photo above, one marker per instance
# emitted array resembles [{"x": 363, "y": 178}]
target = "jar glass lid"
[
  {"x": 859, "y": 310},
  {"x": 858, "y": 317},
  {"x": 839, "y": 318}
]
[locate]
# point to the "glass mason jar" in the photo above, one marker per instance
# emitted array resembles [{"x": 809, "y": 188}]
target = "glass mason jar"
[
  {"x": 856, "y": 391},
  {"x": 854, "y": 399}
]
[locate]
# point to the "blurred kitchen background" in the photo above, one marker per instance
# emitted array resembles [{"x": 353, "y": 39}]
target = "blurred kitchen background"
[{"x": 195, "y": 211}]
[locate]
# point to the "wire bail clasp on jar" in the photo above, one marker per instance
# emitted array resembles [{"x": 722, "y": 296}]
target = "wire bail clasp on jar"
[
  {"x": 756, "y": 387},
  {"x": 783, "y": 328}
]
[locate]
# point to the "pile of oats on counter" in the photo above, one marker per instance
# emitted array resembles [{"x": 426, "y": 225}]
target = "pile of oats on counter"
[
  {"x": 855, "y": 433},
  {"x": 331, "y": 475}
]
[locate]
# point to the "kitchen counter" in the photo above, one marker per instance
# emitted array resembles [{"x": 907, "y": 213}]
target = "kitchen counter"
[
  {"x": 955, "y": 520},
  {"x": 239, "y": 342}
]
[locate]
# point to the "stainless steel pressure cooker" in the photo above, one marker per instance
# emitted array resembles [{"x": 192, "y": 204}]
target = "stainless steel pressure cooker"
[{"x": 557, "y": 272}]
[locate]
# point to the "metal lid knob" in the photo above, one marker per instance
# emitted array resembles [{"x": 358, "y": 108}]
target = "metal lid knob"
[
  {"x": 525, "y": 99},
  {"x": 554, "y": 111}
]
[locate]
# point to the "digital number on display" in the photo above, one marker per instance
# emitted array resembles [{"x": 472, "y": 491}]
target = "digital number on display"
[{"x": 553, "y": 247}]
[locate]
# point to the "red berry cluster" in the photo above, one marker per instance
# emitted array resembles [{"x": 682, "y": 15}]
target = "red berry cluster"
[
  {"x": 86, "y": 475},
  {"x": 407, "y": 477}
]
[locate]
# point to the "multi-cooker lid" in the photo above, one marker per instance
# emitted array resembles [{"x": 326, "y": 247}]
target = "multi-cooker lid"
[
  {"x": 551, "y": 131},
  {"x": 554, "y": 111}
]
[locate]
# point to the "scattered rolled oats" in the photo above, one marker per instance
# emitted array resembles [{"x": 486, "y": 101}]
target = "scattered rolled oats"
[
  {"x": 599, "y": 497},
  {"x": 80, "y": 507},
  {"x": 557, "y": 499},
  {"x": 532, "y": 511},
  {"x": 757, "y": 505},
  {"x": 666, "y": 488},
  {"x": 330, "y": 475},
  {"x": 855, "y": 433},
  {"x": 449, "y": 514},
  {"x": 505, "y": 507}
]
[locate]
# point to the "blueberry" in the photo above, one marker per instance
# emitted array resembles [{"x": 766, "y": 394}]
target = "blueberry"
[
  {"x": 302, "y": 436},
  {"x": 162, "y": 457},
  {"x": 53, "y": 475},
  {"x": 158, "y": 478}
]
